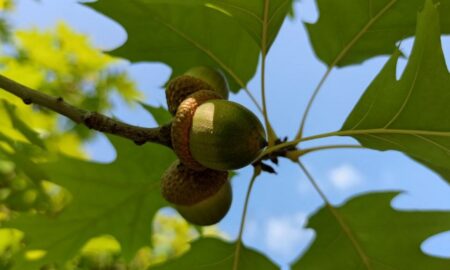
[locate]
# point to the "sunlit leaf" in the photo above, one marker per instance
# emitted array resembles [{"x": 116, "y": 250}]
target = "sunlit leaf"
[
  {"x": 17, "y": 123},
  {"x": 168, "y": 31},
  {"x": 119, "y": 199},
  {"x": 366, "y": 233},
  {"x": 250, "y": 15},
  {"x": 410, "y": 115},
  {"x": 351, "y": 31},
  {"x": 210, "y": 253}
]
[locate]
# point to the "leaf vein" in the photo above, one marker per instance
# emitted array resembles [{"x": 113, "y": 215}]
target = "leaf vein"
[
  {"x": 195, "y": 44},
  {"x": 405, "y": 102}
]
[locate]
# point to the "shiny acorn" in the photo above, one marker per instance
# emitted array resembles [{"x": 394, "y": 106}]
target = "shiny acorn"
[{"x": 209, "y": 132}]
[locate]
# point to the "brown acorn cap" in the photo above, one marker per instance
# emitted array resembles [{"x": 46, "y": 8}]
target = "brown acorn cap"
[
  {"x": 180, "y": 87},
  {"x": 181, "y": 126},
  {"x": 183, "y": 186},
  {"x": 213, "y": 77}
]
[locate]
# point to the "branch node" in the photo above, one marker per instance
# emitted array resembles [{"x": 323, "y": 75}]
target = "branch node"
[
  {"x": 88, "y": 120},
  {"x": 59, "y": 99},
  {"x": 27, "y": 101}
]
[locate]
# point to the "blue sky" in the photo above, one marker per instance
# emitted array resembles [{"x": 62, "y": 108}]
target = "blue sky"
[{"x": 280, "y": 204}]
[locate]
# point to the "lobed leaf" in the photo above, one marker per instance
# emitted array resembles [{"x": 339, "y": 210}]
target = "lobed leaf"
[
  {"x": 184, "y": 34},
  {"x": 366, "y": 233},
  {"x": 250, "y": 14},
  {"x": 351, "y": 31},
  {"x": 119, "y": 199},
  {"x": 214, "y": 254},
  {"x": 410, "y": 115}
]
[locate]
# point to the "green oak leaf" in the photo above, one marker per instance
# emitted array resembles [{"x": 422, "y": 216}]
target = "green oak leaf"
[
  {"x": 351, "y": 31},
  {"x": 160, "y": 114},
  {"x": 184, "y": 34},
  {"x": 366, "y": 233},
  {"x": 251, "y": 15},
  {"x": 214, "y": 254},
  {"x": 6, "y": 139},
  {"x": 17, "y": 123},
  {"x": 410, "y": 115},
  {"x": 119, "y": 199}
]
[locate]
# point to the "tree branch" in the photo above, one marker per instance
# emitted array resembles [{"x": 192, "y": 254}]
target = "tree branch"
[{"x": 92, "y": 120}]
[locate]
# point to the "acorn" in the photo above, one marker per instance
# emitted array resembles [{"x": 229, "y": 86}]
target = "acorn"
[
  {"x": 209, "y": 132},
  {"x": 196, "y": 78},
  {"x": 201, "y": 197}
]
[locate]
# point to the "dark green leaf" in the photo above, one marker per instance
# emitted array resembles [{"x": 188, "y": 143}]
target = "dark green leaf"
[
  {"x": 214, "y": 254},
  {"x": 351, "y": 31},
  {"x": 410, "y": 115},
  {"x": 119, "y": 199},
  {"x": 250, "y": 14},
  {"x": 22, "y": 161},
  {"x": 160, "y": 114},
  {"x": 381, "y": 237},
  {"x": 184, "y": 34}
]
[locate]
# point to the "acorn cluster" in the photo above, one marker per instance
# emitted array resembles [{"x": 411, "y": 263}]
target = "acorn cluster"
[{"x": 210, "y": 136}]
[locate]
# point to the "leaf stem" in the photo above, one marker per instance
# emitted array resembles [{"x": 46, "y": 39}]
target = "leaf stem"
[
  {"x": 270, "y": 132},
  {"x": 344, "y": 226},
  {"x": 92, "y": 120},
  {"x": 311, "y": 102},
  {"x": 338, "y": 58},
  {"x": 294, "y": 155},
  {"x": 253, "y": 99},
  {"x": 202, "y": 48},
  {"x": 355, "y": 132},
  {"x": 256, "y": 172}
]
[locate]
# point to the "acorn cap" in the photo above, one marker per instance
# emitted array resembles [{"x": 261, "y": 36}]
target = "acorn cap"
[
  {"x": 181, "y": 126},
  {"x": 213, "y": 77},
  {"x": 180, "y": 87},
  {"x": 183, "y": 186}
]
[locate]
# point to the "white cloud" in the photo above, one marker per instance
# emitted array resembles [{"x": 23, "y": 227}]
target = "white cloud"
[
  {"x": 345, "y": 177},
  {"x": 286, "y": 237}
]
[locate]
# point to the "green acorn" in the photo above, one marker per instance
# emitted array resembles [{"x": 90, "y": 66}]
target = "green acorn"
[
  {"x": 209, "y": 132},
  {"x": 201, "y": 197}
]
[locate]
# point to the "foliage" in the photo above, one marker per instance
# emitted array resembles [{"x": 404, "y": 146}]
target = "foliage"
[
  {"x": 63, "y": 63},
  {"x": 395, "y": 108},
  {"x": 78, "y": 214},
  {"x": 374, "y": 28},
  {"x": 220, "y": 256},
  {"x": 5, "y": 7},
  {"x": 373, "y": 244}
]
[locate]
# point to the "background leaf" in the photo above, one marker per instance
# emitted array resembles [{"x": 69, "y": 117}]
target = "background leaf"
[
  {"x": 171, "y": 30},
  {"x": 160, "y": 114},
  {"x": 17, "y": 123},
  {"x": 410, "y": 115},
  {"x": 250, "y": 14},
  {"x": 352, "y": 31},
  {"x": 119, "y": 199},
  {"x": 388, "y": 239},
  {"x": 210, "y": 253}
]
